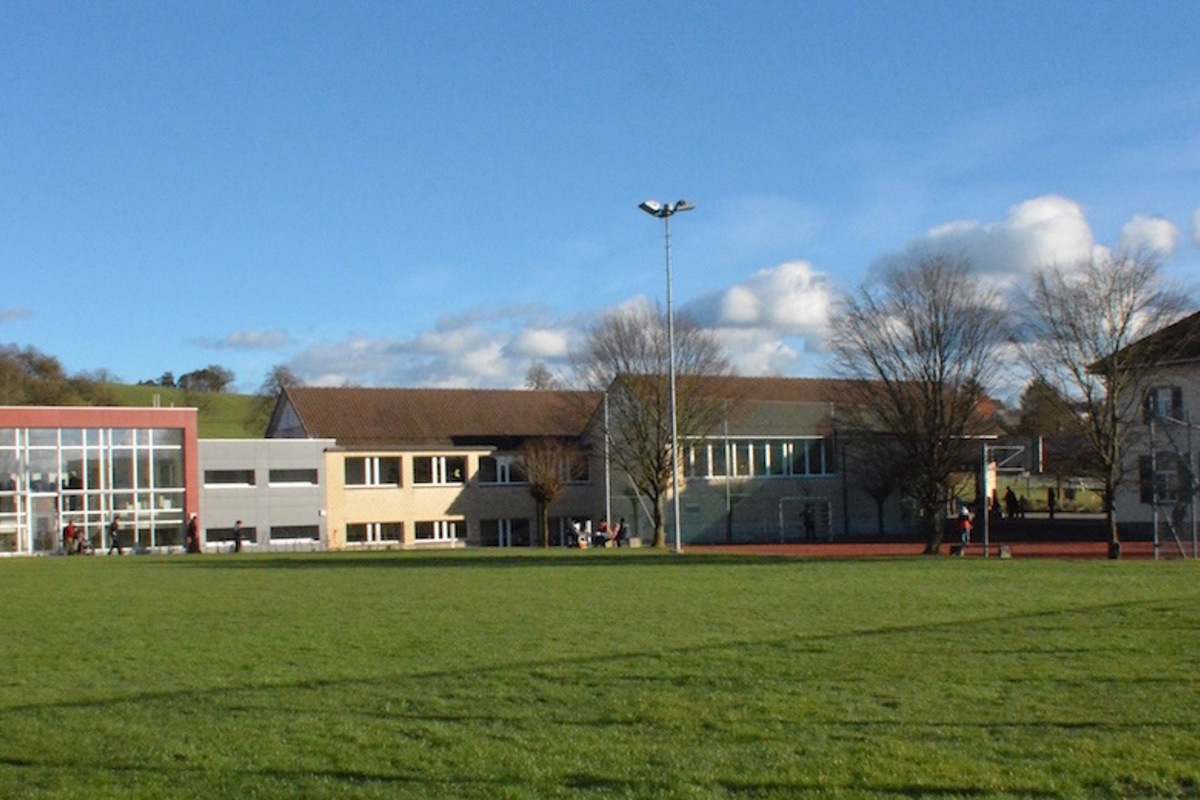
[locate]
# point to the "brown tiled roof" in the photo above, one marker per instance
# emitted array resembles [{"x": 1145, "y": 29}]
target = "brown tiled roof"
[
  {"x": 1178, "y": 342},
  {"x": 391, "y": 417},
  {"x": 443, "y": 417},
  {"x": 786, "y": 390}
]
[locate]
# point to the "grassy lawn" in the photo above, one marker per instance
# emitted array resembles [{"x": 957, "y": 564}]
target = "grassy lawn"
[
  {"x": 221, "y": 415},
  {"x": 614, "y": 674}
]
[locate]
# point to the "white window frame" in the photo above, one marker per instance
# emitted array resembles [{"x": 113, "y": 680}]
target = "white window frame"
[
  {"x": 444, "y": 530},
  {"x": 372, "y": 472},
  {"x": 375, "y": 534},
  {"x": 439, "y": 471}
]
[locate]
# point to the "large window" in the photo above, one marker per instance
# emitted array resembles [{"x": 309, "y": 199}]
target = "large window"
[
  {"x": 219, "y": 477},
  {"x": 1163, "y": 401},
  {"x": 373, "y": 470},
  {"x": 293, "y": 477},
  {"x": 501, "y": 469},
  {"x": 439, "y": 470},
  {"x": 295, "y": 532},
  {"x": 1163, "y": 478},
  {"x": 505, "y": 533},
  {"x": 50, "y": 477},
  {"x": 761, "y": 458},
  {"x": 442, "y": 530},
  {"x": 249, "y": 534},
  {"x": 374, "y": 532}
]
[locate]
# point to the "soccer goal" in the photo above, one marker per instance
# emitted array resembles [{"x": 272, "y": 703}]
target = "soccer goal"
[{"x": 805, "y": 519}]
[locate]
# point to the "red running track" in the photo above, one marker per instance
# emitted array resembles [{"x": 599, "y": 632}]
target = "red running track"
[{"x": 1135, "y": 550}]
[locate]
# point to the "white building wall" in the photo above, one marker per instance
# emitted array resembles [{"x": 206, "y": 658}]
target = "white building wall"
[{"x": 1174, "y": 434}]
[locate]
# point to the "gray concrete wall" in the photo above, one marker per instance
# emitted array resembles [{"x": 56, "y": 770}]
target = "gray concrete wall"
[{"x": 265, "y": 504}]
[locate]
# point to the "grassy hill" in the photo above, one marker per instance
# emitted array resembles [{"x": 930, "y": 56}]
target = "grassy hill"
[{"x": 222, "y": 416}]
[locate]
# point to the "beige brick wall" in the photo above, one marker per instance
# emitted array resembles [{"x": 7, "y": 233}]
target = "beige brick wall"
[{"x": 465, "y": 504}]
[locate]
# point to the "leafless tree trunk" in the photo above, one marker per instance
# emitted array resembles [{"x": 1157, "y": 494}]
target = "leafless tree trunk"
[
  {"x": 545, "y": 462},
  {"x": 919, "y": 346},
  {"x": 539, "y": 378},
  {"x": 1078, "y": 329},
  {"x": 626, "y": 354}
]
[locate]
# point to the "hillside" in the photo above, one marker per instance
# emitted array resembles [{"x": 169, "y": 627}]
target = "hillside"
[{"x": 221, "y": 416}]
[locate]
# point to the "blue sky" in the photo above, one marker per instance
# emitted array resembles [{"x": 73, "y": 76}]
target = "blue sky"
[{"x": 439, "y": 194}]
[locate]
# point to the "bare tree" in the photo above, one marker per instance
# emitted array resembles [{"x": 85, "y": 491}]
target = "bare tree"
[
  {"x": 1078, "y": 329},
  {"x": 539, "y": 377},
  {"x": 919, "y": 347},
  {"x": 880, "y": 468},
  {"x": 545, "y": 463},
  {"x": 280, "y": 377},
  {"x": 626, "y": 354}
]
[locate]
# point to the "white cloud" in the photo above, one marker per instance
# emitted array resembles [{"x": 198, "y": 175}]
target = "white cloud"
[
  {"x": 1037, "y": 233},
  {"x": 791, "y": 299},
  {"x": 15, "y": 314},
  {"x": 491, "y": 350},
  {"x": 249, "y": 340},
  {"x": 768, "y": 322},
  {"x": 539, "y": 343},
  {"x": 758, "y": 352},
  {"x": 1154, "y": 234}
]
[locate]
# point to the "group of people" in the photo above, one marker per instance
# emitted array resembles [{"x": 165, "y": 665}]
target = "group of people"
[
  {"x": 75, "y": 542},
  {"x": 1015, "y": 507},
  {"x": 1012, "y": 508},
  {"x": 603, "y": 536}
]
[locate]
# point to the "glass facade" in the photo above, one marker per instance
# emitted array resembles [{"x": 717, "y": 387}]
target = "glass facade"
[
  {"x": 50, "y": 477},
  {"x": 757, "y": 458}
]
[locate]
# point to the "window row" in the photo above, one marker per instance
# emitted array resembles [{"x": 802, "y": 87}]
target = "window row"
[
  {"x": 452, "y": 470},
  {"x": 442, "y": 530},
  {"x": 522, "y": 532},
  {"x": 277, "y": 533},
  {"x": 744, "y": 458},
  {"x": 90, "y": 437},
  {"x": 248, "y": 477},
  {"x": 76, "y": 470}
]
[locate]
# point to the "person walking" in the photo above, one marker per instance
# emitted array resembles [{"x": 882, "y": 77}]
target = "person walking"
[
  {"x": 237, "y": 536},
  {"x": 192, "y": 542},
  {"x": 964, "y": 527},
  {"x": 1011, "y": 506},
  {"x": 810, "y": 523},
  {"x": 114, "y": 536}
]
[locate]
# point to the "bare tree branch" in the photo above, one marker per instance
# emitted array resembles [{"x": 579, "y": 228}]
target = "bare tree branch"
[
  {"x": 919, "y": 347},
  {"x": 1078, "y": 332},
  {"x": 626, "y": 354}
]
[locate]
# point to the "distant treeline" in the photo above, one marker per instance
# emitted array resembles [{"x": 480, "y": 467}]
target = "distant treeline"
[
  {"x": 213, "y": 378},
  {"x": 29, "y": 377}
]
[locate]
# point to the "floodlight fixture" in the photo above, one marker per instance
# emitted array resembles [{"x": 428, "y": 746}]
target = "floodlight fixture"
[{"x": 664, "y": 210}]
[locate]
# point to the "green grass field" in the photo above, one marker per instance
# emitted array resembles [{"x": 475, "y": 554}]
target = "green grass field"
[
  {"x": 220, "y": 415},
  {"x": 605, "y": 674}
]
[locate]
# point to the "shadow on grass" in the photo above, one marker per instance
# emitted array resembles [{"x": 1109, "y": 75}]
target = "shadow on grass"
[{"x": 598, "y": 663}]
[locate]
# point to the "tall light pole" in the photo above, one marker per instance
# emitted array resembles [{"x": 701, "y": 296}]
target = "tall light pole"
[{"x": 665, "y": 211}]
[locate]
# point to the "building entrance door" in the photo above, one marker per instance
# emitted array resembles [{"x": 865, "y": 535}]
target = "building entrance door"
[{"x": 43, "y": 523}]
